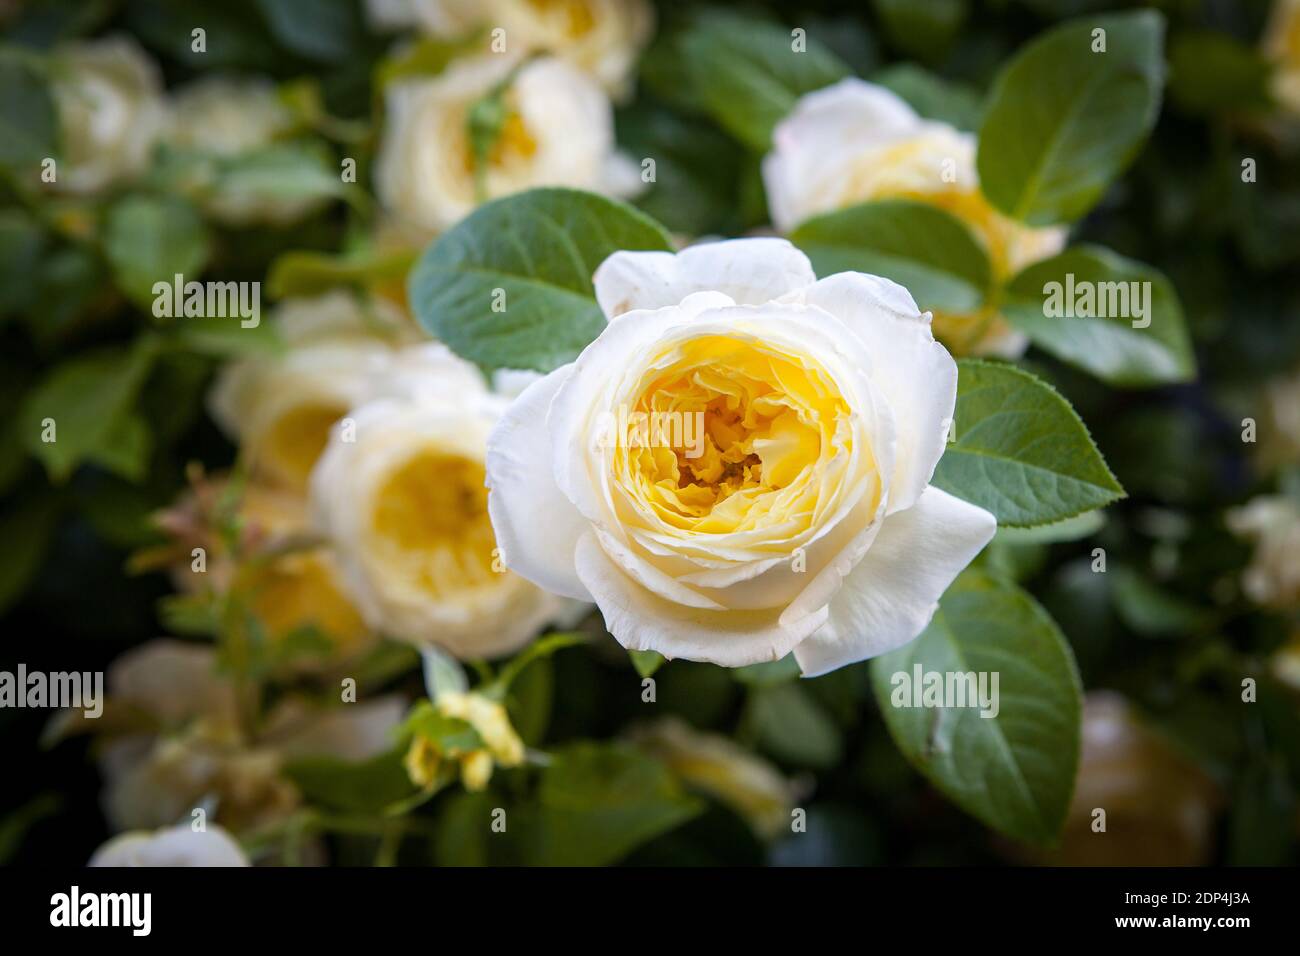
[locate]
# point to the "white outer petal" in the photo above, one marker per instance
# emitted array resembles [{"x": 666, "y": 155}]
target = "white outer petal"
[
  {"x": 889, "y": 598},
  {"x": 915, "y": 373},
  {"x": 749, "y": 271},
  {"x": 642, "y": 621},
  {"x": 537, "y": 527},
  {"x": 823, "y": 134}
]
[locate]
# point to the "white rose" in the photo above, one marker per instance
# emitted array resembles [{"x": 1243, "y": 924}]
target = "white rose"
[
  {"x": 109, "y": 99},
  {"x": 558, "y": 131},
  {"x": 806, "y": 521},
  {"x": 227, "y": 116},
  {"x": 176, "y": 846},
  {"x": 854, "y": 142},
  {"x": 280, "y": 409},
  {"x": 405, "y": 506},
  {"x": 603, "y": 38}
]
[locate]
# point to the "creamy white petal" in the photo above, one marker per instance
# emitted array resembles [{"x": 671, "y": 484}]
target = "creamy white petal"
[
  {"x": 642, "y": 621},
  {"x": 915, "y": 373},
  {"x": 889, "y": 598},
  {"x": 749, "y": 271},
  {"x": 537, "y": 527}
]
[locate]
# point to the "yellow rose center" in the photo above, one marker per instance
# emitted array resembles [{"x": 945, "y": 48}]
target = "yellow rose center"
[
  {"x": 514, "y": 143},
  {"x": 431, "y": 522},
  {"x": 576, "y": 15},
  {"x": 728, "y": 435},
  {"x": 296, "y": 440}
]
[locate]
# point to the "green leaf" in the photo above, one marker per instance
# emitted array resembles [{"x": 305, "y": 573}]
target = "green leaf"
[
  {"x": 646, "y": 662},
  {"x": 532, "y": 255},
  {"x": 749, "y": 74},
  {"x": 28, "y": 120},
  {"x": 1063, "y": 122},
  {"x": 921, "y": 247},
  {"x": 1021, "y": 451},
  {"x": 1071, "y": 529},
  {"x": 89, "y": 398},
  {"x": 924, "y": 30},
  {"x": 598, "y": 802},
  {"x": 26, "y": 531},
  {"x": 449, "y": 733},
  {"x": 1109, "y": 347},
  {"x": 300, "y": 273},
  {"x": 793, "y": 728},
  {"x": 1216, "y": 73},
  {"x": 1014, "y": 771},
  {"x": 317, "y": 29},
  {"x": 768, "y": 672},
  {"x": 933, "y": 97},
  {"x": 367, "y": 786},
  {"x": 151, "y": 239}
]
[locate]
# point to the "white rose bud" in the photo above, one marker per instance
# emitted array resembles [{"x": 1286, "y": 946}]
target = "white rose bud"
[{"x": 786, "y": 508}]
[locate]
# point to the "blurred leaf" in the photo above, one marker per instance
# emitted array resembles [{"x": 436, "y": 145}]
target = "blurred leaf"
[
  {"x": 598, "y": 802},
  {"x": 793, "y": 728},
  {"x": 25, "y": 528},
  {"x": 768, "y": 672},
  {"x": 696, "y": 170},
  {"x": 1014, "y": 771},
  {"x": 1261, "y": 830},
  {"x": 367, "y": 786},
  {"x": 1109, "y": 347},
  {"x": 28, "y": 119},
  {"x": 1150, "y": 610},
  {"x": 922, "y": 30},
  {"x": 934, "y": 97},
  {"x": 919, "y": 246},
  {"x": 1214, "y": 72},
  {"x": 16, "y": 824},
  {"x": 300, "y": 273},
  {"x": 150, "y": 239},
  {"x": 749, "y": 75},
  {"x": 22, "y": 248},
  {"x": 449, "y": 733},
  {"x": 89, "y": 398},
  {"x": 529, "y": 701},
  {"x": 1021, "y": 451},
  {"x": 316, "y": 29},
  {"x": 236, "y": 35},
  {"x": 1062, "y": 121},
  {"x": 535, "y": 253},
  {"x": 426, "y": 57},
  {"x": 646, "y": 662}
]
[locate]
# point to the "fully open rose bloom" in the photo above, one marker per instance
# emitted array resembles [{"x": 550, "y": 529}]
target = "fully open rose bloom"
[
  {"x": 400, "y": 494},
  {"x": 801, "y": 518},
  {"x": 855, "y": 142}
]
